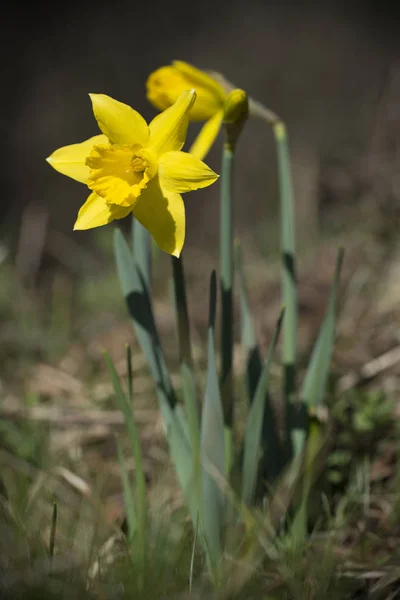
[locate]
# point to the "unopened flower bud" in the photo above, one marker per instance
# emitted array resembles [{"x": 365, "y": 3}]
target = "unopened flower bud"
[{"x": 236, "y": 111}]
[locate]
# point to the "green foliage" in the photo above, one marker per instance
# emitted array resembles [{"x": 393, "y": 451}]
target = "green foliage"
[
  {"x": 362, "y": 420},
  {"x": 250, "y": 487},
  {"x": 217, "y": 474}
]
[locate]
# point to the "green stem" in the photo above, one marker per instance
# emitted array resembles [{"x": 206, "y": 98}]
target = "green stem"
[
  {"x": 226, "y": 282},
  {"x": 288, "y": 254},
  {"x": 289, "y": 285}
]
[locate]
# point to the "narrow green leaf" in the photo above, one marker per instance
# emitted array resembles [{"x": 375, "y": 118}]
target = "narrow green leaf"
[
  {"x": 191, "y": 569},
  {"x": 299, "y": 526},
  {"x": 289, "y": 283},
  {"x": 140, "y": 476},
  {"x": 129, "y": 374},
  {"x": 139, "y": 305},
  {"x": 226, "y": 283},
  {"x": 126, "y": 407},
  {"x": 271, "y": 445},
  {"x": 252, "y": 439},
  {"x": 289, "y": 291},
  {"x": 140, "y": 309},
  {"x": 52, "y": 541},
  {"x": 248, "y": 333},
  {"x": 141, "y": 243},
  {"x": 212, "y": 449},
  {"x": 295, "y": 483},
  {"x": 185, "y": 355},
  {"x": 316, "y": 378},
  {"x": 116, "y": 383},
  {"x": 129, "y": 501}
]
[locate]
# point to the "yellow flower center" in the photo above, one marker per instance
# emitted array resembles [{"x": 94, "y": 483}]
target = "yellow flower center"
[{"x": 119, "y": 173}]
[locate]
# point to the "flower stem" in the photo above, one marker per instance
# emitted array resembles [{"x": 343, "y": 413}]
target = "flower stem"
[
  {"x": 289, "y": 284},
  {"x": 226, "y": 283}
]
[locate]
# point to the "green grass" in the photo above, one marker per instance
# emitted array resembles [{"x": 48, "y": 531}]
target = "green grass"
[
  {"x": 351, "y": 548},
  {"x": 195, "y": 474}
]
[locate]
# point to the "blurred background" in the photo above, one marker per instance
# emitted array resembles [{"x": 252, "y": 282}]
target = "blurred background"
[{"x": 329, "y": 69}]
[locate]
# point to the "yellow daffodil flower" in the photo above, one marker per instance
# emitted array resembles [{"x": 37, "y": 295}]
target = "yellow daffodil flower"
[
  {"x": 138, "y": 168},
  {"x": 165, "y": 85}
]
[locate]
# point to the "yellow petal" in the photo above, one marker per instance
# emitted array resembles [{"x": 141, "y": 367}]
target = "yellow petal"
[
  {"x": 70, "y": 160},
  {"x": 181, "y": 172},
  {"x": 207, "y": 136},
  {"x": 162, "y": 213},
  {"x": 166, "y": 84},
  {"x": 200, "y": 78},
  {"x": 168, "y": 130},
  {"x": 118, "y": 121},
  {"x": 96, "y": 212},
  {"x": 112, "y": 176}
]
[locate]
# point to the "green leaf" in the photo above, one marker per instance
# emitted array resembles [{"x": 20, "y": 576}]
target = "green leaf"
[
  {"x": 140, "y": 309},
  {"x": 252, "y": 439},
  {"x": 271, "y": 446},
  {"x": 126, "y": 407},
  {"x": 141, "y": 244},
  {"x": 212, "y": 449},
  {"x": 295, "y": 483},
  {"x": 248, "y": 334},
  {"x": 139, "y": 305},
  {"x": 288, "y": 253},
  {"x": 316, "y": 378},
  {"x": 129, "y": 501},
  {"x": 315, "y": 443},
  {"x": 185, "y": 355}
]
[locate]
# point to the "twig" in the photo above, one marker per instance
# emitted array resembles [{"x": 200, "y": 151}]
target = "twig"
[{"x": 370, "y": 370}]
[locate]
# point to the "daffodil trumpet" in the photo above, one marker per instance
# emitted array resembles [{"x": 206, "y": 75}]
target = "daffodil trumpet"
[
  {"x": 132, "y": 167},
  {"x": 166, "y": 83}
]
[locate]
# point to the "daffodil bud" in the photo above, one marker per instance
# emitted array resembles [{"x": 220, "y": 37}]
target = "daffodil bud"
[{"x": 236, "y": 111}]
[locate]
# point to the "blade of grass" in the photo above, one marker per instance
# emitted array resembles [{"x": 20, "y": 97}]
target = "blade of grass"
[
  {"x": 129, "y": 501},
  {"x": 53, "y": 529},
  {"x": 252, "y": 438},
  {"x": 212, "y": 449},
  {"x": 126, "y": 407}
]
